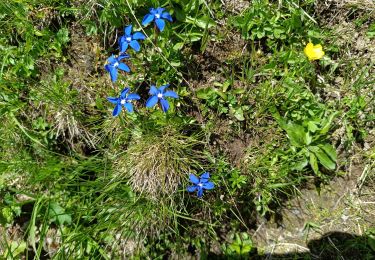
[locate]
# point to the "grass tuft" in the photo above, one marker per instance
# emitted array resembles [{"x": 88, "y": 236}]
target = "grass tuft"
[{"x": 157, "y": 164}]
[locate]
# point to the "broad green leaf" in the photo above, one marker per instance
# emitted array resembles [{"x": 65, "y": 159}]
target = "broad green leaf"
[
  {"x": 178, "y": 46},
  {"x": 300, "y": 164},
  {"x": 236, "y": 248},
  {"x": 246, "y": 249},
  {"x": 312, "y": 126},
  {"x": 226, "y": 85},
  {"x": 330, "y": 150},
  {"x": 238, "y": 114},
  {"x": 175, "y": 63},
  {"x": 57, "y": 214},
  {"x": 15, "y": 249},
  {"x": 221, "y": 94},
  {"x": 314, "y": 164},
  {"x": 308, "y": 138},
  {"x": 327, "y": 123},
  {"x": 323, "y": 157},
  {"x": 296, "y": 134},
  {"x": 194, "y": 36},
  {"x": 205, "y": 93},
  {"x": 202, "y": 22}
]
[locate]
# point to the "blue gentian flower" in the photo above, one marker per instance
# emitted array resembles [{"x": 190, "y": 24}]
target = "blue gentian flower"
[
  {"x": 160, "y": 94},
  {"x": 131, "y": 39},
  {"x": 123, "y": 100},
  {"x": 200, "y": 184},
  {"x": 157, "y": 15},
  {"x": 115, "y": 63}
]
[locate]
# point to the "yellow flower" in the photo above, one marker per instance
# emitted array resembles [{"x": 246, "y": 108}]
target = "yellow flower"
[{"x": 314, "y": 52}]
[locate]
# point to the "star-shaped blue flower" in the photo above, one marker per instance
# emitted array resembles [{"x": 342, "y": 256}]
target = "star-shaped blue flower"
[
  {"x": 160, "y": 95},
  {"x": 157, "y": 15},
  {"x": 115, "y": 63},
  {"x": 123, "y": 100},
  {"x": 131, "y": 39},
  {"x": 200, "y": 184}
]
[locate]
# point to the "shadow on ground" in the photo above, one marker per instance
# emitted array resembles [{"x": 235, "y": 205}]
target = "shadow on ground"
[{"x": 334, "y": 245}]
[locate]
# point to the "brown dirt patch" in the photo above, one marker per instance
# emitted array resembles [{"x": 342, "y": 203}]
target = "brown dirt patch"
[{"x": 339, "y": 207}]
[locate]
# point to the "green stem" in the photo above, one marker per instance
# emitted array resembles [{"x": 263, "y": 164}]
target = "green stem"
[{"x": 156, "y": 32}]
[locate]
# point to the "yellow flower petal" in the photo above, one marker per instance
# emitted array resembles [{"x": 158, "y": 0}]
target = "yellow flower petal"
[{"x": 314, "y": 52}]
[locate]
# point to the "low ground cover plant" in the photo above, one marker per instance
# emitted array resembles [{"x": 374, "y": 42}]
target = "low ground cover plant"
[{"x": 164, "y": 129}]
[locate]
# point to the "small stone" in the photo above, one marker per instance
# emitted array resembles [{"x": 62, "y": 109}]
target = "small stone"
[{"x": 344, "y": 217}]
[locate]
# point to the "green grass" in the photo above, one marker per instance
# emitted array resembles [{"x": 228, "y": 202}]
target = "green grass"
[{"x": 77, "y": 183}]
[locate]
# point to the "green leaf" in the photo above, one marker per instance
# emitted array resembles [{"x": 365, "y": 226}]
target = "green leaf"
[
  {"x": 238, "y": 114},
  {"x": 221, "y": 94},
  {"x": 178, "y": 46},
  {"x": 312, "y": 126},
  {"x": 323, "y": 157},
  {"x": 246, "y": 249},
  {"x": 32, "y": 230},
  {"x": 308, "y": 138},
  {"x": 226, "y": 85},
  {"x": 330, "y": 150},
  {"x": 314, "y": 164},
  {"x": 57, "y": 214},
  {"x": 236, "y": 248},
  {"x": 371, "y": 242},
  {"x": 202, "y": 22},
  {"x": 327, "y": 123},
  {"x": 180, "y": 14},
  {"x": 299, "y": 165},
  {"x": 205, "y": 93},
  {"x": 15, "y": 249},
  {"x": 296, "y": 134},
  {"x": 193, "y": 36}
]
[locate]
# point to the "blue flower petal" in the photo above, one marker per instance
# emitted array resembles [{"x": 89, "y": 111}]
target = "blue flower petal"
[
  {"x": 123, "y": 56},
  {"x": 153, "y": 10},
  {"x": 160, "y": 24},
  {"x": 153, "y": 90},
  {"x": 135, "y": 45},
  {"x": 129, "y": 107},
  {"x": 151, "y": 101},
  {"x": 162, "y": 88},
  {"x": 113, "y": 100},
  {"x": 124, "y": 67},
  {"x": 148, "y": 19},
  {"x": 139, "y": 36},
  {"x": 108, "y": 67},
  {"x": 128, "y": 30},
  {"x": 113, "y": 73},
  {"x": 164, "y": 105},
  {"x": 159, "y": 10},
  {"x": 124, "y": 46},
  {"x": 200, "y": 192},
  {"x": 121, "y": 40},
  {"x": 124, "y": 92},
  {"x": 208, "y": 185},
  {"x": 112, "y": 59},
  {"x": 191, "y": 188},
  {"x": 194, "y": 179},
  {"x": 117, "y": 109},
  {"x": 133, "y": 96},
  {"x": 170, "y": 93},
  {"x": 167, "y": 16},
  {"x": 205, "y": 176}
]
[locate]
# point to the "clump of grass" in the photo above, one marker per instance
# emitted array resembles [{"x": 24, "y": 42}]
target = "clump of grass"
[
  {"x": 155, "y": 164},
  {"x": 64, "y": 106}
]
